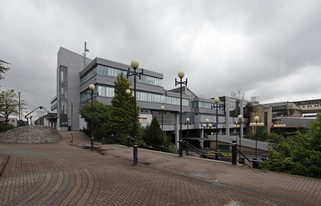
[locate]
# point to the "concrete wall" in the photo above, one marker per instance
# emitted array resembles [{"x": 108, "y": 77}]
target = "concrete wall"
[{"x": 74, "y": 64}]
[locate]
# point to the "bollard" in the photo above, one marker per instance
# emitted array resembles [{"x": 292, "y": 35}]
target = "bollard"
[
  {"x": 104, "y": 140},
  {"x": 71, "y": 138},
  {"x": 255, "y": 163},
  {"x": 234, "y": 153},
  {"x": 135, "y": 153}
]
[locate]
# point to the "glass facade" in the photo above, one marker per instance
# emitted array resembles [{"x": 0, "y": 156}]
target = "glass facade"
[
  {"x": 113, "y": 72},
  {"x": 232, "y": 104},
  {"x": 88, "y": 76},
  {"x": 104, "y": 91},
  {"x": 207, "y": 105}
]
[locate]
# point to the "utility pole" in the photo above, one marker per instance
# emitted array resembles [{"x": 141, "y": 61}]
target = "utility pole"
[
  {"x": 85, "y": 50},
  {"x": 19, "y": 94}
]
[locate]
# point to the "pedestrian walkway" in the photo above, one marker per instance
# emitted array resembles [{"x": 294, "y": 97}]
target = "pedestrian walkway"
[{"x": 64, "y": 173}]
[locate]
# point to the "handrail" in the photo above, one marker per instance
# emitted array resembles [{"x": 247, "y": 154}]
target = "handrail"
[
  {"x": 244, "y": 157},
  {"x": 191, "y": 147},
  {"x": 141, "y": 143}
]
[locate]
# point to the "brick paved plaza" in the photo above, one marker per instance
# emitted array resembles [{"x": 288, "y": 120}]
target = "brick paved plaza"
[{"x": 66, "y": 174}]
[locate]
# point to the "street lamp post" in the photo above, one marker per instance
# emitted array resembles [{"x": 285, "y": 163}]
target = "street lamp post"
[
  {"x": 238, "y": 124},
  {"x": 279, "y": 126},
  {"x": 255, "y": 125},
  {"x": 92, "y": 88},
  {"x": 235, "y": 126},
  {"x": 187, "y": 123},
  {"x": 134, "y": 64},
  {"x": 216, "y": 101},
  {"x": 240, "y": 117},
  {"x": 205, "y": 125},
  {"x": 181, "y": 83},
  {"x": 162, "y": 114},
  {"x": 128, "y": 93}
]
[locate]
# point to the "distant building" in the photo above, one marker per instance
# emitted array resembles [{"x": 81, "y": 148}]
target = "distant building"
[
  {"x": 293, "y": 115},
  {"x": 11, "y": 120},
  {"x": 49, "y": 120}
]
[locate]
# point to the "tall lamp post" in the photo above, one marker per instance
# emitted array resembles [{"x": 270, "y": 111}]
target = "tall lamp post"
[
  {"x": 128, "y": 93},
  {"x": 256, "y": 124},
  {"x": 134, "y": 64},
  {"x": 181, "y": 83},
  {"x": 187, "y": 123},
  {"x": 235, "y": 126},
  {"x": 279, "y": 126},
  {"x": 239, "y": 125},
  {"x": 206, "y": 126},
  {"x": 240, "y": 117},
  {"x": 216, "y": 101},
  {"x": 162, "y": 114},
  {"x": 92, "y": 88}
]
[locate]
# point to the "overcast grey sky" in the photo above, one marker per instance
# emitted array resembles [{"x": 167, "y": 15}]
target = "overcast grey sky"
[{"x": 270, "y": 49}]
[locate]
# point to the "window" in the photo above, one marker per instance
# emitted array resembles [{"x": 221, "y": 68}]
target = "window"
[{"x": 104, "y": 91}]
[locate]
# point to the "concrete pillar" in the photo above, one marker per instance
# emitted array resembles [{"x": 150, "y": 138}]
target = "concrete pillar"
[{"x": 202, "y": 139}]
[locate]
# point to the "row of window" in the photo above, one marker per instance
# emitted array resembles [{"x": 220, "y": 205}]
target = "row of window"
[
  {"x": 104, "y": 91},
  {"x": 316, "y": 105},
  {"x": 149, "y": 97},
  {"x": 88, "y": 76},
  {"x": 147, "y": 80},
  {"x": 207, "y": 105},
  {"x": 53, "y": 103},
  {"x": 113, "y": 72}
]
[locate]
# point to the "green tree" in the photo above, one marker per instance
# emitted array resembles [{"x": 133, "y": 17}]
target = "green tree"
[
  {"x": 300, "y": 154},
  {"x": 262, "y": 135},
  {"x": 122, "y": 112},
  {"x": 3, "y": 68},
  {"x": 8, "y": 104},
  {"x": 154, "y": 135},
  {"x": 101, "y": 112}
]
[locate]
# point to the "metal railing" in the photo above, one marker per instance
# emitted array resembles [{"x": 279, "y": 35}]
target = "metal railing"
[{"x": 189, "y": 146}]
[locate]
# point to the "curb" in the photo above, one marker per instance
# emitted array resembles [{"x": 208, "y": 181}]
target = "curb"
[{"x": 3, "y": 162}]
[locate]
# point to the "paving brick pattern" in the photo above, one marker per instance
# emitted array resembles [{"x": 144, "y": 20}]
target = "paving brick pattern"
[{"x": 66, "y": 174}]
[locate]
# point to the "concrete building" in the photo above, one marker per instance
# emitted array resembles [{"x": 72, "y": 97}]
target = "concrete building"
[
  {"x": 76, "y": 72},
  {"x": 11, "y": 120},
  {"x": 294, "y": 109},
  {"x": 263, "y": 112},
  {"x": 293, "y": 115}
]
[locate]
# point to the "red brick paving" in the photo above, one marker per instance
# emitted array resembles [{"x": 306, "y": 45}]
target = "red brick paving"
[{"x": 65, "y": 174}]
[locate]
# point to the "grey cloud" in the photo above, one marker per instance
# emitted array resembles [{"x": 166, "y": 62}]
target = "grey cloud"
[{"x": 260, "y": 48}]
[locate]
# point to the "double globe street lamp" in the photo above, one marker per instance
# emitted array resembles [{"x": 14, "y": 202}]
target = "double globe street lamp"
[
  {"x": 238, "y": 124},
  {"x": 134, "y": 64},
  {"x": 162, "y": 108},
  {"x": 216, "y": 101},
  {"x": 128, "y": 95},
  {"x": 279, "y": 129},
  {"x": 188, "y": 122},
  {"x": 92, "y": 88},
  {"x": 181, "y": 83},
  {"x": 256, "y": 124},
  {"x": 206, "y": 125}
]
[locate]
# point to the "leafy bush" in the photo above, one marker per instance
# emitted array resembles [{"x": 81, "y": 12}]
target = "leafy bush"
[
  {"x": 300, "y": 154},
  {"x": 5, "y": 127}
]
